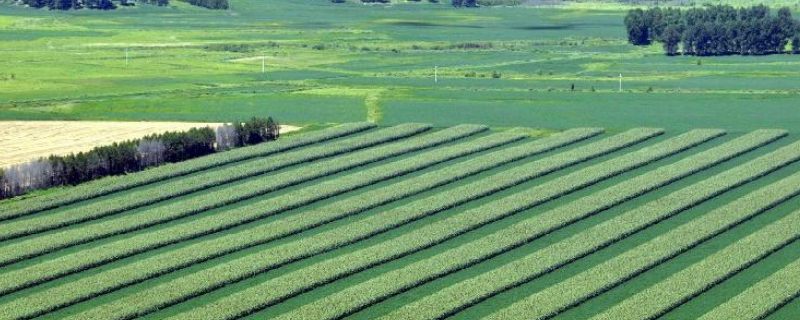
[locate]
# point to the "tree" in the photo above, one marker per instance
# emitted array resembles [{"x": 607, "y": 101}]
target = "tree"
[
  {"x": 713, "y": 30},
  {"x": 638, "y": 30},
  {"x": 458, "y": 3},
  {"x": 796, "y": 45},
  {"x": 62, "y": 4},
  {"x": 671, "y": 40}
]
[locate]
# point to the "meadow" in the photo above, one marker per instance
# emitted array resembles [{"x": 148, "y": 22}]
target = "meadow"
[
  {"x": 333, "y": 63},
  {"x": 416, "y": 221}
]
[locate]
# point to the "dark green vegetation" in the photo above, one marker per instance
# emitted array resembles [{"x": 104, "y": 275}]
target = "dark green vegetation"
[
  {"x": 133, "y": 155},
  {"x": 715, "y": 31},
  {"x": 336, "y": 63},
  {"x": 109, "y": 5},
  {"x": 414, "y": 222}
]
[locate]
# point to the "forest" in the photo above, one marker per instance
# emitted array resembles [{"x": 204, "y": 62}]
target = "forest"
[
  {"x": 133, "y": 155},
  {"x": 715, "y": 30}
]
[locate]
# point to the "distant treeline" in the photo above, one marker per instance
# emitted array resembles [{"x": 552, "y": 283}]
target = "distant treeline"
[
  {"x": 111, "y": 5},
  {"x": 133, "y": 155},
  {"x": 715, "y": 30}
]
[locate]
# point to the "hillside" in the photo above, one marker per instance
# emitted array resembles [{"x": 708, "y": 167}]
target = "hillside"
[{"x": 417, "y": 222}]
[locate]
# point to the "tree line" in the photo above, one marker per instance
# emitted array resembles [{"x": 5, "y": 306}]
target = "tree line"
[
  {"x": 111, "y": 5},
  {"x": 715, "y": 30},
  {"x": 133, "y": 155}
]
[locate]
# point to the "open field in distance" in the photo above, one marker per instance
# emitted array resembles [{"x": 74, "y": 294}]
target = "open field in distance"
[
  {"x": 335, "y": 63},
  {"x": 23, "y": 141}
]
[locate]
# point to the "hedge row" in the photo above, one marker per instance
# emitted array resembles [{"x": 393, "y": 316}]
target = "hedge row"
[
  {"x": 139, "y": 198},
  {"x": 642, "y": 258},
  {"x": 111, "y": 185},
  {"x": 210, "y": 279},
  {"x": 472, "y": 291},
  {"x": 139, "y": 243}
]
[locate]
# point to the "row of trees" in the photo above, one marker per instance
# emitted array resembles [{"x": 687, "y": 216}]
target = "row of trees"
[
  {"x": 210, "y": 4},
  {"x": 715, "y": 30},
  {"x": 110, "y": 5},
  {"x": 134, "y": 155},
  {"x": 465, "y": 3}
]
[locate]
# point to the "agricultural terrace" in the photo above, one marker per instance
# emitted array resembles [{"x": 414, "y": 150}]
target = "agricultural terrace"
[
  {"x": 420, "y": 222},
  {"x": 314, "y": 61}
]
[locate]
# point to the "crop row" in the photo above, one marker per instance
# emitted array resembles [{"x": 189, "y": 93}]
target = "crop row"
[
  {"x": 143, "y": 269},
  {"x": 425, "y": 237},
  {"x": 110, "y": 185},
  {"x": 85, "y": 259},
  {"x": 609, "y": 274},
  {"x": 217, "y": 198},
  {"x": 692, "y": 281},
  {"x": 264, "y": 233},
  {"x": 394, "y": 282},
  {"x": 761, "y": 299},
  {"x": 357, "y": 297},
  {"x": 210, "y": 279},
  {"x": 472, "y": 291},
  {"x": 186, "y": 185}
]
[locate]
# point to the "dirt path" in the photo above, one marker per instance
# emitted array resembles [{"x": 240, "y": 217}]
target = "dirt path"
[{"x": 22, "y": 141}]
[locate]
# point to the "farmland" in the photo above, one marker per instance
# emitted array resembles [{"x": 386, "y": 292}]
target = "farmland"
[
  {"x": 335, "y": 63},
  {"x": 418, "y": 222},
  {"x": 501, "y": 162}
]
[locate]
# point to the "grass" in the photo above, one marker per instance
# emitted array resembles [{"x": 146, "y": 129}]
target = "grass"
[{"x": 329, "y": 63}]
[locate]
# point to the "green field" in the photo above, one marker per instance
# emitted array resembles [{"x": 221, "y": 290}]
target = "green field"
[
  {"x": 336, "y": 63},
  {"x": 416, "y": 221}
]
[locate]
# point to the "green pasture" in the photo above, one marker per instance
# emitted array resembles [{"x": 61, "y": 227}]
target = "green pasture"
[{"x": 334, "y": 63}]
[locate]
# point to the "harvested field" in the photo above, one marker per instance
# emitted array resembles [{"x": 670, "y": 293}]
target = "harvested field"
[{"x": 22, "y": 141}]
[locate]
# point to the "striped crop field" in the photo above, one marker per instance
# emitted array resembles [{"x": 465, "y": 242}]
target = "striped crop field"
[{"x": 415, "y": 221}]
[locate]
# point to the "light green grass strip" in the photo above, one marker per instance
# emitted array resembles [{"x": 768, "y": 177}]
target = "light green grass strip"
[
  {"x": 152, "y": 299},
  {"x": 761, "y": 299},
  {"x": 142, "y": 242},
  {"x": 199, "y": 182},
  {"x": 230, "y": 194},
  {"x": 599, "y": 279},
  {"x": 110, "y": 185},
  {"x": 469, "y": 292}
]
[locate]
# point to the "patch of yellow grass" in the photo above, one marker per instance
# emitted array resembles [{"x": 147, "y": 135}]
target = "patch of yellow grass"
[{"x": 23, "y": 141}]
